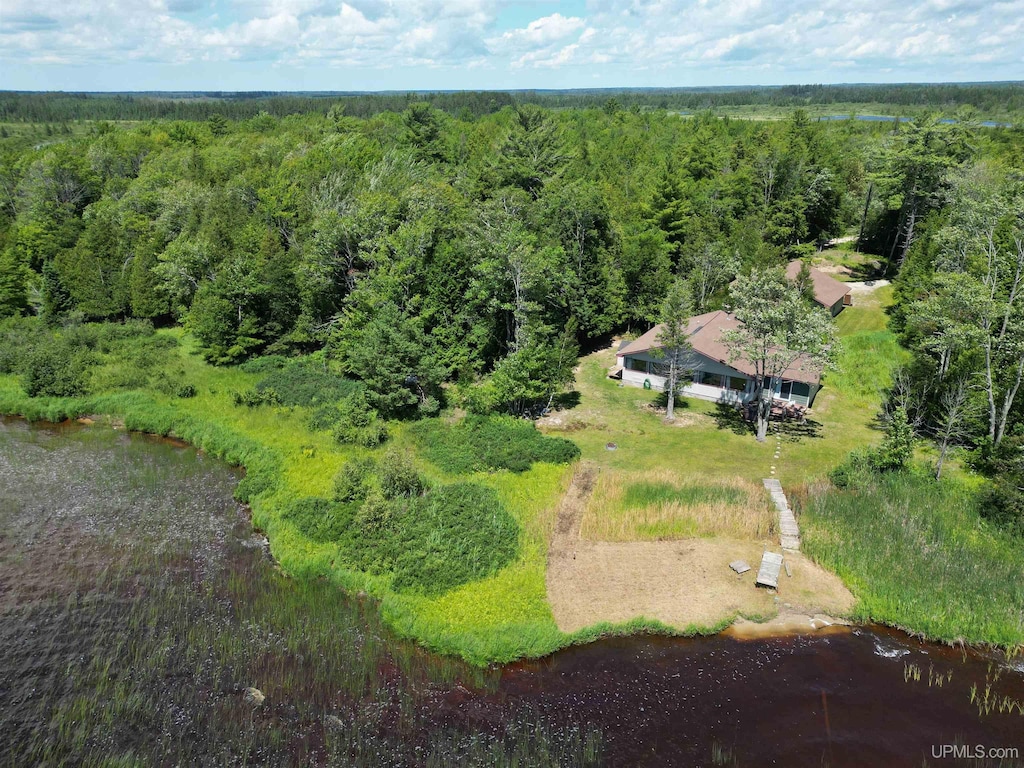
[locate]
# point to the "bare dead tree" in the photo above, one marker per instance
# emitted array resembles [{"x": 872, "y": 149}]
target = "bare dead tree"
[{"x": 956, "y": 409}]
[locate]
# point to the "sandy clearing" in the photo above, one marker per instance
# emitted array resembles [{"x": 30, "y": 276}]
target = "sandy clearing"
[
  {"x": 685, "y": 583},
  {"x": 868, "y": 286}
]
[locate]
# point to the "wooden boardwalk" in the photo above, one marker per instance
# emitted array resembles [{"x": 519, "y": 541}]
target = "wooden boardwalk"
[
  {"x": 768, "y": 573},
  {"x": 788, "y": 529}
]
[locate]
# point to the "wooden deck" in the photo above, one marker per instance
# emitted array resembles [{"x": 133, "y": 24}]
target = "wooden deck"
[{"x": 768, "y": 573}]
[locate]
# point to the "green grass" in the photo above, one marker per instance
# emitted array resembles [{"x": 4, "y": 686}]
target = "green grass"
[
  {"x": 657, "y": 505},
  {"x": 496, "y": 619},
  {"x": 856, "y": 266},
  {"x": 710, "y": 441},
  {"x": 917, "y": 556},
  {"x": 645, "y": 494}
]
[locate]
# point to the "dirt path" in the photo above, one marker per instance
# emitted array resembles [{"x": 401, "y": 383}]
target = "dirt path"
[{"x": 681, "y": 583}]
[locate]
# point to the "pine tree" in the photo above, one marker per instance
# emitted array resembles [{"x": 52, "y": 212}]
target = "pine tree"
[{"x": 674, "y": 341}]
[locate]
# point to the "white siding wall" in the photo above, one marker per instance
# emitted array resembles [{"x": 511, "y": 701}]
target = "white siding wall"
[{"x": 696, "y": 362}]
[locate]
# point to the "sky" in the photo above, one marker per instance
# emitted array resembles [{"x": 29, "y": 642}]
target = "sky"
[{"x": 366, "y": 45}]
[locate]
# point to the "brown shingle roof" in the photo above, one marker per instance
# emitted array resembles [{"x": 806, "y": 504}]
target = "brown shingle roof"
[
  {"x": 705, "y": 332},
  {"x": 827, "y": 290}
]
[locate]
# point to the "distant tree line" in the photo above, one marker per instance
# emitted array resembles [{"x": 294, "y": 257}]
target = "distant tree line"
[{"x": 30, "y": 107}]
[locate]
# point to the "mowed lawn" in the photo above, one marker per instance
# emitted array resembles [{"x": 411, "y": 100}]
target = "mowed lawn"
[{"x": 710, "y": 441}]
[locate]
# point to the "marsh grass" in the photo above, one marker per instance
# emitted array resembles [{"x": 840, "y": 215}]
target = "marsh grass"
[
  {"x": 496, "y": 619},
  {"x": 917, "y": 556},
  {"x": 136, "y": 648},
  {"x": 662, "y": 504}
]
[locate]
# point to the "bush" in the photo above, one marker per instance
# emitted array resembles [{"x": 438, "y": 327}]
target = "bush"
[
  {"x": 1003, "y": 505},
  {"x": 57, "y": 368},
  {"x": 319, "y": 519},
  {"x": 452, "y": 536},
  {"x": 433, "y": 543},
  {"x": 897, "y": 448},
  {"x": 398, "y": 477},
  {"x": 354, "y": 479},
  {"x": 855, "y": 472},
  {"x": 429, "y": 406},
  {"x": 264, "y": 364},
  {"x": 357, "y": 423},
  {"x": 481, "y": 443},
  {"x": 18, "y": 337},
  {"x": 186, "y": 391},
  {"x": 377, "y": 514}
]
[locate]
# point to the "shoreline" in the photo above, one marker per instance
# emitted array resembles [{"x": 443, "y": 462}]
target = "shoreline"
[{"x": 786, "y": 623}]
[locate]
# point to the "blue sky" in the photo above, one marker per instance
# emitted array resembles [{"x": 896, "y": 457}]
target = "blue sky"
[{"x": 492, "y": 44}]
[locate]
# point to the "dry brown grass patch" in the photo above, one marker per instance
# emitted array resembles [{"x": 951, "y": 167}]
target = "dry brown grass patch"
[{"x": 662, "y": 504}]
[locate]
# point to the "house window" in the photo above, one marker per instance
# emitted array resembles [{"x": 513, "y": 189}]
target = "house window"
[
  {"x": 737, "y": 384},
  {"x": 634, "y": 364},
  {"x": 786, "y": 390},
  {"x": 712, "y": 379}
]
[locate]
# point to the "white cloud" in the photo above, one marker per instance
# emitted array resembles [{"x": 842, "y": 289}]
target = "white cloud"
[
  {"x": 668, "y": 40},
  {"x": 541, "y": 32}
]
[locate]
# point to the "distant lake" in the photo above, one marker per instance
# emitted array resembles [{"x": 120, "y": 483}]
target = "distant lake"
[{"x": 890, "y": 118}]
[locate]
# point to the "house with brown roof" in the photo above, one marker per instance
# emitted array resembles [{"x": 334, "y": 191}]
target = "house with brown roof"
[
  {"x": 828, "y": 292},
  {"x": 712, "y": 376}
]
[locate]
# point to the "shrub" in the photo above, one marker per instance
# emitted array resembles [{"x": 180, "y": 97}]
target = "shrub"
[
  {"x": 58, "y": 369},
  {"x": 353, "y": 480},
  {"x": 897, "y": 448},
  {"x": 264, "y": 364},
  {"x": 429, "y": 406},
  {"x": 18, "y": 337},
  {"x": 319, "y": 519},
  {"x": 1003, "y": 504},
  {"x": 433, "y": 543},
  {"x": 186, "y": 391},
  {"x": 323, "y": 418},
  {"x": 481, "y": 443},
  {"x": 376, "y": 514},
  {"x": 452, "y": 536},
  {"x": 854, "y": 472},
  {"x": 356, "y": 422},
  {"x": 398, "y": 477}
]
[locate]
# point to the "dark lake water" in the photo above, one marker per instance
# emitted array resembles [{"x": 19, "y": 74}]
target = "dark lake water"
[{"x": 137, "y": 606}]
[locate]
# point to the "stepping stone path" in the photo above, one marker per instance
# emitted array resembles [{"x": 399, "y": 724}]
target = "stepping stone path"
[{"x": 787, "y": 521}]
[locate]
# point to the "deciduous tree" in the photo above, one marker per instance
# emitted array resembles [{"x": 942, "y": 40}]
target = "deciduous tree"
[{"x": 777, "y": 331}]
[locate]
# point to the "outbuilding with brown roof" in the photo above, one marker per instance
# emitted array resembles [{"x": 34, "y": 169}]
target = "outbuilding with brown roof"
[{"x": 828, "y": 292}]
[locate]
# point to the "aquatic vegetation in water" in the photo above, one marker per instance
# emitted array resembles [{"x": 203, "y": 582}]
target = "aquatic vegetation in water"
[{"x": 149, "y": 612}]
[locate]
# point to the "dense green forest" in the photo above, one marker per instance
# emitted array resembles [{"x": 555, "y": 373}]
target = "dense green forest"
[
  {"x": 358, "y": 274},
  {"x": 419, "y": 249}
]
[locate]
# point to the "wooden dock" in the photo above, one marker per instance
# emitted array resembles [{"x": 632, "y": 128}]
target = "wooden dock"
[
  {"x": 788, "y": 529},
  {"x": 768, "y": 573}
]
